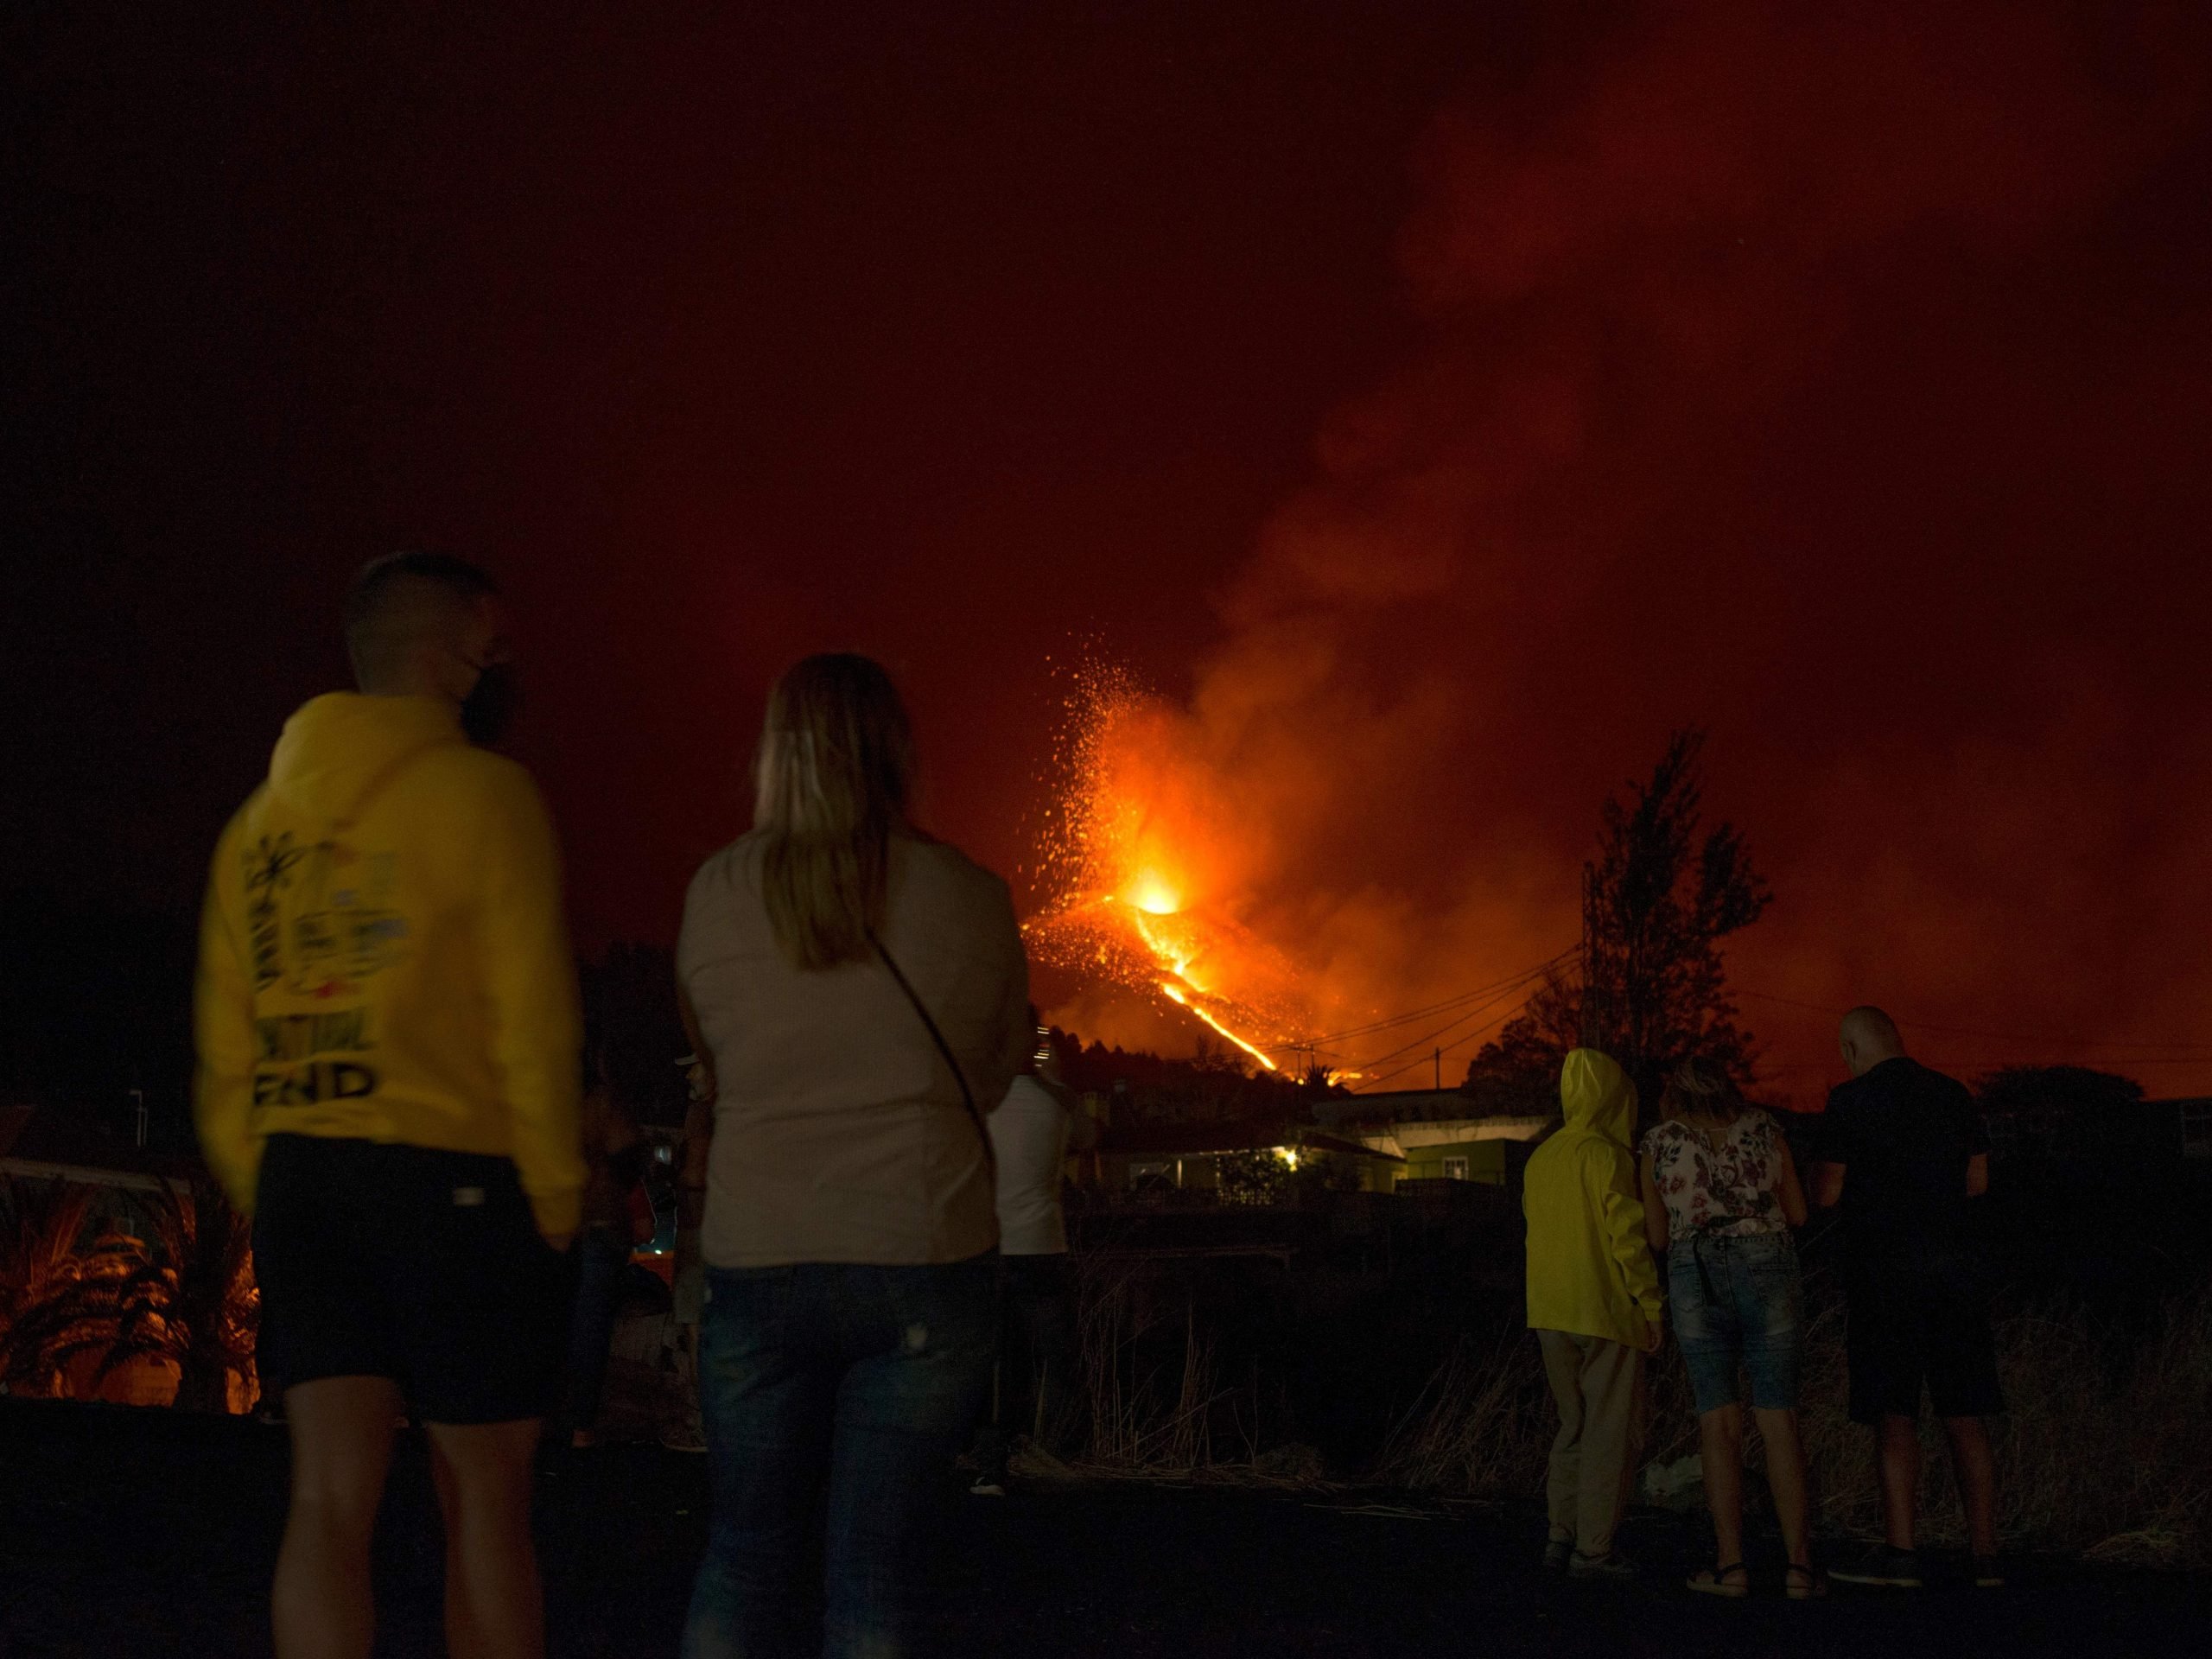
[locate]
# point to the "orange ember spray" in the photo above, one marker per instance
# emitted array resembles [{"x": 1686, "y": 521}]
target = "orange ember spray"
[{"x": 1142, "y": 857}]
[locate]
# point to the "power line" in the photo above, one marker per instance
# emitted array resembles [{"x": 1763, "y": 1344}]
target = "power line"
[
  {"x": 1422, "y": 1042},
  {"x": 1395, "y": 1020},
  {"x": 1940, "y": 1061},
  {"x": 2089, "y": 1060},
  {"x": 1994, "y": 1036},
  {"x": 1467, "y": 1037},
  {"x": 1463, "y": 1038},
  {"x": 1433, "y": 1008}
]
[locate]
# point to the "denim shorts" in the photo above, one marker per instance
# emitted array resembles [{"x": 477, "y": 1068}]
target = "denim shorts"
[{"x": 1737, "y": 1300}]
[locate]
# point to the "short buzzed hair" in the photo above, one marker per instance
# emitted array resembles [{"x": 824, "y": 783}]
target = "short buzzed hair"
[
  {"x": 402, "y": 601},
  {"x": 1868, "y": 1024}
]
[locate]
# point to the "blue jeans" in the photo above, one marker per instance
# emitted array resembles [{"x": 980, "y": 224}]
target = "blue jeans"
[
  {"x": 835, "y": 1398},
  {"x": 1739, "y": 1300}
]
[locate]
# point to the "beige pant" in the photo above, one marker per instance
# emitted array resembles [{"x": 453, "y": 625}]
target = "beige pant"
[{"x": 1599, "y": 1387}]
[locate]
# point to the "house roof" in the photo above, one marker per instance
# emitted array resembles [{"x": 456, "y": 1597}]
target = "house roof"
[
  {"x": 1386, "y": 1107},
  {"x": 1229, "y": 1135},
  {"x": 1313, "y": 1139},
  {"x": 1224, "y": 1135},
  {"x": 41, "y": 1143},
  {"x": 1403, "y": 1136}
]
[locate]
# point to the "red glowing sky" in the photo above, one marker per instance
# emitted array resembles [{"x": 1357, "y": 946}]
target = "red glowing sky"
[{"x": 1436, "y": 409}]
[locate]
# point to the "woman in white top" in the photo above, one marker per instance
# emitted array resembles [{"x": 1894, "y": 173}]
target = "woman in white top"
[
  {"x": 1032, "y": 1133},
  {"x": 863, "y": 997}
]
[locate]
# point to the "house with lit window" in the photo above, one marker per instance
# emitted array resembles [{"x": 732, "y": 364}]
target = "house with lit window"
[
  {"x": 1226, "y": 1160},
  {"x": 1434, "y": 1134},
  {"x": 2157, "y": 1129},
  {"x": 2192, "y": 1123},
  {"x": 40, "y": 1144}
]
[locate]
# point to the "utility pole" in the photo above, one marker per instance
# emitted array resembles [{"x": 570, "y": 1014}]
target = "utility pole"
[
  {"x": 1589, "y": 979},
  {"x": 1440, "y": 1071}
]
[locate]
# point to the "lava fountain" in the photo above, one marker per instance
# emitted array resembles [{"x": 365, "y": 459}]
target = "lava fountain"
[{"x": 1142, "y": 857}]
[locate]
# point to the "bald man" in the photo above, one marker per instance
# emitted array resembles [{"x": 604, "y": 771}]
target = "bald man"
[{"x": 1902, "y": 1150}]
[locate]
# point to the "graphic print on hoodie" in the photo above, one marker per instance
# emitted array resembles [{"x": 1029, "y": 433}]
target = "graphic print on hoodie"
[{"x": 383, "y": 955}]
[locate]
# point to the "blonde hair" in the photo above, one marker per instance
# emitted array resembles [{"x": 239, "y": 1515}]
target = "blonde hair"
[
  {"x": 1701, "y": 1087},
  {"x": 836, "y": 764}
]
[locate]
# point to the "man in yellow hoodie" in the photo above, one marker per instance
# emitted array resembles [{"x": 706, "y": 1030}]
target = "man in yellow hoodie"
[
  {"x": 1594, "y": 1305},
  {"x": 387, "y": 1035}
]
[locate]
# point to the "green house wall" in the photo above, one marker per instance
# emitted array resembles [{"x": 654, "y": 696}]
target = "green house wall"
[{"x": 1486, "y": 1162}]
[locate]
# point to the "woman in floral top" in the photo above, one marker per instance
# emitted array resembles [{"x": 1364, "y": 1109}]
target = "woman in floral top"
[{"x": 1720, "y": 1194}]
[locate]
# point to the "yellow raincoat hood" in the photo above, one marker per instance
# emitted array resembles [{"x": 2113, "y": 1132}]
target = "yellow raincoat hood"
[
  {"x": 1596, "y": 1095},
  {"x": 1590, "y": 1270}
]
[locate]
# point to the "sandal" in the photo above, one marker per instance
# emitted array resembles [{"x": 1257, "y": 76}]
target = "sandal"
[
  {"x": 1713, "y": 1581},
  {"x": 1804, "y": 1583}
]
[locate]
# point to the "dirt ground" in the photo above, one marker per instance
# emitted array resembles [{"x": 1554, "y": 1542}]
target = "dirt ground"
[{"x": 147, "y": 1533}]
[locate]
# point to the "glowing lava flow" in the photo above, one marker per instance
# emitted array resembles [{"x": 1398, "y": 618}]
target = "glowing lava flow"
[
  {"x": 1174, "y": 993},
  {"x": 1130, "y": 849},
  {"x": 1152, "y": 925}
]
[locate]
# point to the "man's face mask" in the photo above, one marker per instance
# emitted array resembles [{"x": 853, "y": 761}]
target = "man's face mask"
[{"x": 489, "y": 708}]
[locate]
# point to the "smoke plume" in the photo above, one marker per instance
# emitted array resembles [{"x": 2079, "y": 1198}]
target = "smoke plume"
[{"x": 1826, "y": 377}]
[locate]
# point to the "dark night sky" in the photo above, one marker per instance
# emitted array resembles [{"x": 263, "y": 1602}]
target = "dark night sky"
[{"x": 1440, "y": 403}]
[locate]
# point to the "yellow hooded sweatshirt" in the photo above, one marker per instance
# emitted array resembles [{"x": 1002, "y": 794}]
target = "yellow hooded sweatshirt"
[
  {"x": 383, "y": 955},
  {"x": 1590, "y": 1270}
]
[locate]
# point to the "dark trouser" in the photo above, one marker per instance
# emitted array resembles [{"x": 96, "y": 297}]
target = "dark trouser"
[
  {"x": 1037, "y": 1359},
  {"x": 842, "y": 1390},
  {"x": 1598, "y": 1387},
  {"x": 602, "y": 1260}
]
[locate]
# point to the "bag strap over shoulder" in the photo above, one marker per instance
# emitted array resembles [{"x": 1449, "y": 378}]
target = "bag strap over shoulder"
[{"x": 967, "y": 1095}]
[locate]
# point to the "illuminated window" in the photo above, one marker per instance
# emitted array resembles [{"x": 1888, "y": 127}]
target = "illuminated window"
[{"x": 1455, "y": 1169}]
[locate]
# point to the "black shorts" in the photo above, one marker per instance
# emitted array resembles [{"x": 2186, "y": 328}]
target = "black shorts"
[
  {"x": 1920, "y": 1322},
  {"x": 425, "y": 1267}
]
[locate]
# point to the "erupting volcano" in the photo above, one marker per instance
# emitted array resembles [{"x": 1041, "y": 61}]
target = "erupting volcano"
[{"x": 1141, "y": 856}]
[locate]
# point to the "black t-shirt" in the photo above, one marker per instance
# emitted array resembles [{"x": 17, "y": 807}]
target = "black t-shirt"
[{"x": 1903, "y": 1134}]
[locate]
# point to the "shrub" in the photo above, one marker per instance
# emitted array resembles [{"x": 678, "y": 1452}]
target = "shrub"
[{"x": 2105, "y": 1452}]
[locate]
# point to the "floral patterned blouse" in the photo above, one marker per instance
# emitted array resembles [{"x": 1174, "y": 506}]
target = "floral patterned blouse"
[{"x": 1721, "y": 1180}]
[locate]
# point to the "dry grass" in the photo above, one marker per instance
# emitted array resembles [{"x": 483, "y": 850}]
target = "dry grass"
[
  {"x": 2105, "y": 1455},
  {"x": 1483, "y": 1427},
  {"x": 2106, "y": 1452},
  {"x": 1151, "y": 1404}
]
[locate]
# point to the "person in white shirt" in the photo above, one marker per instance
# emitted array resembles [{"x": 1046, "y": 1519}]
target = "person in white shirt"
[{"x": 1032, "y": 1133}]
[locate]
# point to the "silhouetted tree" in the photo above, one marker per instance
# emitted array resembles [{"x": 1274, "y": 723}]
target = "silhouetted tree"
[
  {"x": 192, "y": 1299},
  {"x": 2071, "y": 1111},
  {"x": 2090, "y": 1194},
  {"x": 1315, "y": 1079},
  {"x": 187, "y": 1296},
  {"x": 1253, "y": 1178},
  {"x": 1652, "y": 988},
  {"x": 1517, "y": 1071},
  {"x": 41, "y": 1224}
]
